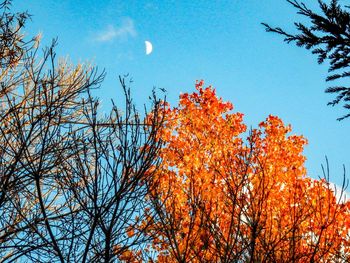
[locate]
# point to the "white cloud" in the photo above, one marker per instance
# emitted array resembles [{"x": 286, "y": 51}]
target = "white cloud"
[
  {"x": 341, "y": 197},
  {"x": 125, "y": 30}
]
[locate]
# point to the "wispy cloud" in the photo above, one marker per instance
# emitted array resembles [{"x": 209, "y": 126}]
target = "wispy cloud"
[{"x": 123, "y": 31}]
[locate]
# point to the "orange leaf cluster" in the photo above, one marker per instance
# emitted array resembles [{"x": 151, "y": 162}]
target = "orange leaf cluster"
[{"x": 221, "y": 197}]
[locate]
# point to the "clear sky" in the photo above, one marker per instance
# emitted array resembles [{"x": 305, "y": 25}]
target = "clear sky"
[{"x": 221, "y": 42}]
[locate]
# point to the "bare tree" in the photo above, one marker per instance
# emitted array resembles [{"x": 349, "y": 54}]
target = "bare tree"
[{"x": 71, "y": 180}]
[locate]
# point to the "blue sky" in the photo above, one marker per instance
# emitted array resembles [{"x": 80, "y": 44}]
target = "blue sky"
[{"x": 221, "y": 42}]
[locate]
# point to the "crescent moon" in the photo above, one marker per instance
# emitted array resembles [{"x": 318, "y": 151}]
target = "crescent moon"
[{"x": 149, "y": 47}]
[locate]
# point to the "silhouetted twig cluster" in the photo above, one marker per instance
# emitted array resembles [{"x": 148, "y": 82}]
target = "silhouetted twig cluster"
[
  {"x": 327, "y": 36},
  {"x": 71, "y": 180}
]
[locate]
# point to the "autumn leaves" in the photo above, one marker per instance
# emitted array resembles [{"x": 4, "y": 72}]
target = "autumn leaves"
[{"x": 221, "y": 195}]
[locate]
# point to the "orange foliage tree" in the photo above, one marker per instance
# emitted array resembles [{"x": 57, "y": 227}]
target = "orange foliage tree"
[{"x": 222, "y": 194}]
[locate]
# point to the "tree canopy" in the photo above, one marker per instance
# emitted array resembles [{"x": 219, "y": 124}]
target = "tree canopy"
[
  {"x": 222, "y": 195},
  {"x": 71, "y": 178}
]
